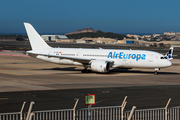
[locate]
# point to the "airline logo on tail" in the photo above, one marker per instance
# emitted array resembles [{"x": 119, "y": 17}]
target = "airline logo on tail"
[{"x": 169, "y": 54}]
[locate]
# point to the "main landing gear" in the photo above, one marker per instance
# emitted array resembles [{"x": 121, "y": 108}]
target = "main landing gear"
[
  {"x": 156, "y": 71},
  {"x": 85, "y": 70}
]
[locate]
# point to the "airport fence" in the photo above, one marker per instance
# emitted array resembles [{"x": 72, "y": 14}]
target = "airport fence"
[
  {"x": 10, "y": 116},
  {"x": 97, "y": 113},
  {"x": 172, "y": 113}
]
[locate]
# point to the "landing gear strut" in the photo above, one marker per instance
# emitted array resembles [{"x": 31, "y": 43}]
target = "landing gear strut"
[
  {"x": 85, "y": 70},
  {"x": 156, "y": 71}
]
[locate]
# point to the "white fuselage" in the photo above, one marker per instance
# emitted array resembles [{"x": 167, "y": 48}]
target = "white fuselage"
[{"x": 121, "y": 58}]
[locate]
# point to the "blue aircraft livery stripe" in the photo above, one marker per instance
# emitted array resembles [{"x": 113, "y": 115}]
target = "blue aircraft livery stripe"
[{"x": 122, "y": 55}]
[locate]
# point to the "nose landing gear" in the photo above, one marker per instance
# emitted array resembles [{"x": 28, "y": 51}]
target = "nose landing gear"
[{"x": 156, "y": 70}]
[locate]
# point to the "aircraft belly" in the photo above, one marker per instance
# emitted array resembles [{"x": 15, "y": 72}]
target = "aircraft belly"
[{"x": 136, "y": 64}]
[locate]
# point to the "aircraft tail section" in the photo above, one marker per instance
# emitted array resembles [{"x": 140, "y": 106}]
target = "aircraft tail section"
[
  {"x": 35, "y": 39},
  {"x": 169, "y": 53}
]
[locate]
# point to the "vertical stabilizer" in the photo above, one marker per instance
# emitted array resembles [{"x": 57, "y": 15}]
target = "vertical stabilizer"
[
  {"x": 169, "y": 53},
  {"x": 35, "y": 39}
]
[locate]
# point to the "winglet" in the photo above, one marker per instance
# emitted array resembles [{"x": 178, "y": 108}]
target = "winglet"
[
  {"x": 169, "y": 53},
  {"x": 35, "y": 39}
]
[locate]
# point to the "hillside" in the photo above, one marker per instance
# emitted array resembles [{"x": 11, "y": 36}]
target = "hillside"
[
  {"x": 86, "y": 30},
  {"x": 89, "y": 32}
]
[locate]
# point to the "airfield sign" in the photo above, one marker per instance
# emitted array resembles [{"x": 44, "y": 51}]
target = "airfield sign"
[{"x": 90, "y": 99}]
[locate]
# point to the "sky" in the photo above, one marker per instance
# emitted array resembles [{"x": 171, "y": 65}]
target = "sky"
[{"x": 63, "y": 16}]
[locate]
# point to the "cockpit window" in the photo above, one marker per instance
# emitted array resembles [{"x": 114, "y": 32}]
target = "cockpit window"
[{"x": 163, "y": 58}]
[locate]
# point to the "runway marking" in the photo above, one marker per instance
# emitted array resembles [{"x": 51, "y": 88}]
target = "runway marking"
[{"x": 3, "y": 98}]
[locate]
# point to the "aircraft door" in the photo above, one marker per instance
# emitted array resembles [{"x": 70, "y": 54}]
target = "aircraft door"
[
  {"x": 49, "y": 53},
  {"x": 126, "y": 63},
  {"x": 78, "y": 54},
  {"x": 151, "y": 58}
]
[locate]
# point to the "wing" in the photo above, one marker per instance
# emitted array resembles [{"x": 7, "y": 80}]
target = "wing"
[{"x": 84, "y": 61}]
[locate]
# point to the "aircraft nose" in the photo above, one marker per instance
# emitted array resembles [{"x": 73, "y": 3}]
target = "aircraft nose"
[{"x": 169, "y": 63}]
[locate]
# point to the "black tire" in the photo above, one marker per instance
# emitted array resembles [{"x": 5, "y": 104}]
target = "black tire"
[{"x": 83, "y": 71}]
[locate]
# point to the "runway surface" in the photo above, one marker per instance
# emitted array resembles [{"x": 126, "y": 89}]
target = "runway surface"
[{"x": 54, "y": 86}]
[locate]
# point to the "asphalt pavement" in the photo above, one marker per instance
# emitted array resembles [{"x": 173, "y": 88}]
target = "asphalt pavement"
[{"x": 53, "y": 86}]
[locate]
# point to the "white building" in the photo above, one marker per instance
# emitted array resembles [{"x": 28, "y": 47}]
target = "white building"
[
  {"x": 169, "y": 33},
  {"x": 103, "y": 40},
  {"x": 53, "y": 37},
  {"x": 80, "y": 41}
]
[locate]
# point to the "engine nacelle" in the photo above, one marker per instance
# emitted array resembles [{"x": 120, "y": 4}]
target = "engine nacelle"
[{"x": 100, "y": 66}]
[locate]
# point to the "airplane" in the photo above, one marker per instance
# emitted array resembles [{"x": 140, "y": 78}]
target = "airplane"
[{"x": 98, "y": 60}]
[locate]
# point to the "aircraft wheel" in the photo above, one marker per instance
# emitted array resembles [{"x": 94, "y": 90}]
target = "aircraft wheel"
[
  {"x": 89, "y": 71},
  {"x": 86, "y": 71},
  {"x": 156, "y": 71},
  {"x": 83, "y": 71}
]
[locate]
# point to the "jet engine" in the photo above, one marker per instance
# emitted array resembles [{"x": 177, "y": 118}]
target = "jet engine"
[{"x": 100, "y": 66}]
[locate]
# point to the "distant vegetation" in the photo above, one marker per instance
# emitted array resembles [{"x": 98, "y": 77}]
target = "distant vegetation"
[{"x": 96, "y": 35}]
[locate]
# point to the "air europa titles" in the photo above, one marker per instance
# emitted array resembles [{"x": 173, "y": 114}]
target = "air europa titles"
[{"x": 122, "y": 55}]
